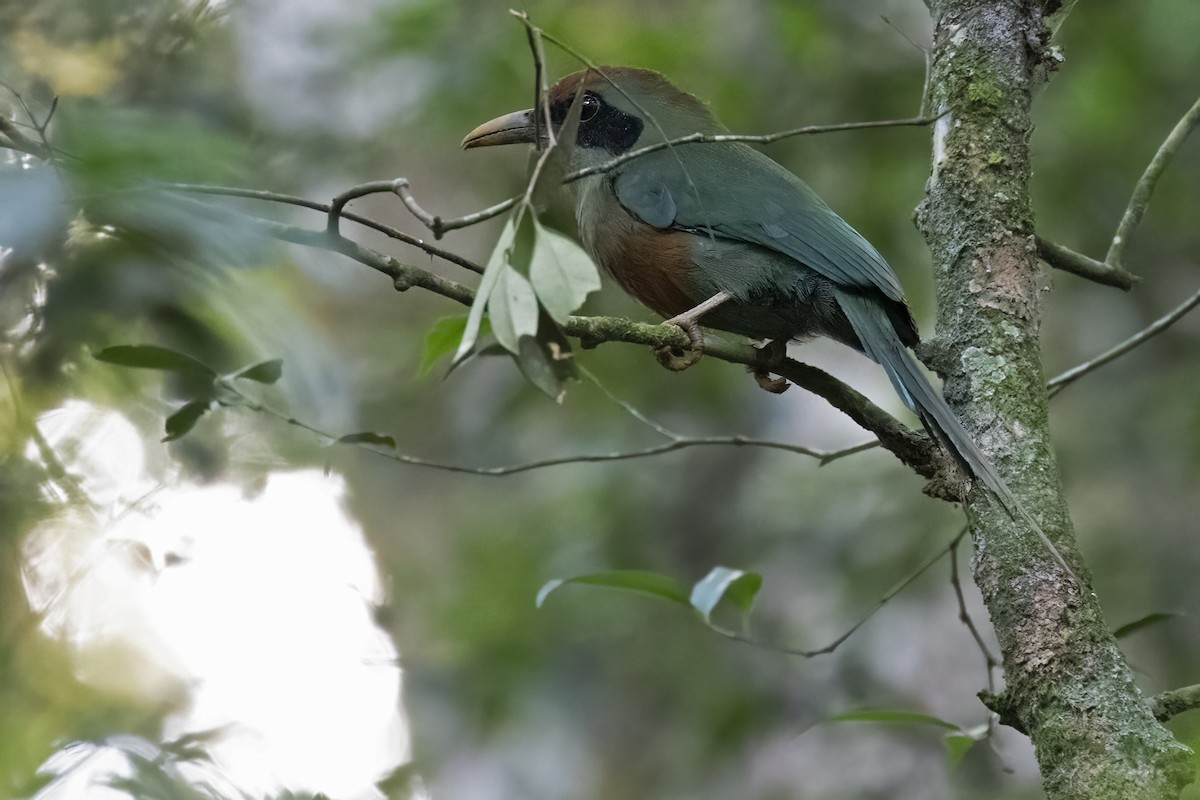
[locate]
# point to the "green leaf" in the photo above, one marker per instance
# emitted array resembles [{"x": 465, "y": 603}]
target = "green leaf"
[
  {"x": 884, "y": 715},
  {"x": 628, "y": 579},
  {"x": 1145, "y": 622},
  {"x": 957, "y": 745},
  {"x": 562, "y": 274},
  {"x": 491, "y": 273},
  {"x": 185, "y": 419},
  {"x": 263, "y": 372},
  {"x": 441, "y": 340},
  {"x": 148, "y": 356},
  {"x": 513, "y": 309},
  {"x": 722, "y": 582},
  {"x": 367, "y": 437}
]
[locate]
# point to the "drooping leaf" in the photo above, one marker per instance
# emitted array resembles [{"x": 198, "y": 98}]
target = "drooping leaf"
[
  {"x": 737, "y": 586},
  {"x": 491, "y": 273},
  {"x": 629, "y": 579},
  {"x": 149, "y": 356},
  {"x": 263, "y": 372},
  {"x": 441, "y": 340},
  {"x": 513, "y": 309},
  {"x": 183, "y": 420},
  {"x": 1145, "y": 622},
  {"x": 562, "y": 274},
  {"x": 886, "y": 715},
  {"x": 368, "y": 437}
]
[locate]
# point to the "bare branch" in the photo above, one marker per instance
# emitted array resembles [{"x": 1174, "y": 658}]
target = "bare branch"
[
  {"x": 1174, "y": 702},
  {"x": 353, "y": 193},
  {"x": 274, "y": 197},
  {"x": 883, "y": 601},
  {"x": 676, "y": 443},
  {"x": 1068, "y": 260},
  {"x": 1145, "y": 185},
  {"x": 991, "y": 661},
  {"x": 541, "y": 109},
  {"x": 1057, "y": 384},
  {"x": 438, "y": 225},
  {"x": 914, "y": 449}
]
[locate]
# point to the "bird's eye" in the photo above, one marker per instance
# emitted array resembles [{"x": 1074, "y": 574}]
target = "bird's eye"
[{"x": 591, "y": 104}]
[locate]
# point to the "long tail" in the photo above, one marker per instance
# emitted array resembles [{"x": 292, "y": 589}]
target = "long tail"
[{"x": 883, "y": 345}]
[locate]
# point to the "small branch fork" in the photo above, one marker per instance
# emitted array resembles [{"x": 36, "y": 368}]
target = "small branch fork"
[
  {"x": 1111, "y": 271},
  {"x": 853, "y": 629},
  {"x": 1060, "y": 382},
  {"x": 1174, "y": 702},
  {"x": 16, "y": 139}
]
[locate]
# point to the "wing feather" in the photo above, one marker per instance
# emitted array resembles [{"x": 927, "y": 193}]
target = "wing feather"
[{"x": 733, "y": 190}]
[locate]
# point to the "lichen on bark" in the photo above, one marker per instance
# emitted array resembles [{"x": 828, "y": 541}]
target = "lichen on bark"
[{"x": 1066, "y": 683}]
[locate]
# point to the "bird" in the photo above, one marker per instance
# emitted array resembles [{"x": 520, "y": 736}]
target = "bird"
[{"x": 721, "y": 233}]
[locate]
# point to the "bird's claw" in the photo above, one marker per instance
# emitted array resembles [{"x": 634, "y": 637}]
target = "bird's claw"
[
  {"x": 678, "y": 359},
  {"x": 773, "y": 352},
  {"x": 773, "y": 384}
]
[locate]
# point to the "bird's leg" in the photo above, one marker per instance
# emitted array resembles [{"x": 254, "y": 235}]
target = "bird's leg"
[{"x": 689, "y": 323}]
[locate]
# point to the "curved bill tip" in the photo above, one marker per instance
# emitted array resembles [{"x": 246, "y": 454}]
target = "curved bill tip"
[{"x": 511, "y": 128}]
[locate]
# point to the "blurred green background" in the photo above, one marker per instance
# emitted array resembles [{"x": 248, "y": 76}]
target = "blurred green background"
[{"x": 598, "y": 694}]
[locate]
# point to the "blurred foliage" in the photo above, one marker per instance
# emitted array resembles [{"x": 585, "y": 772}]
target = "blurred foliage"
[{"x": 596, "y": 695}]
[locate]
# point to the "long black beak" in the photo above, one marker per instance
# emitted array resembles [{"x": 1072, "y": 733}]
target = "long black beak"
[{"x": 512, "y": 128}]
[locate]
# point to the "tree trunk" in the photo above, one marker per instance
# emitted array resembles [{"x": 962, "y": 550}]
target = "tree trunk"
[{"x": 1067, "y": 685}]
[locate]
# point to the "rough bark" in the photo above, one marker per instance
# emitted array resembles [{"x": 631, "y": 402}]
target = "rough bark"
[{"x": 1067, "y": 684}]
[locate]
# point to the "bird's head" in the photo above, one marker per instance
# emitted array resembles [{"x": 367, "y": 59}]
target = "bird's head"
[{"x": 621, "y": 108}]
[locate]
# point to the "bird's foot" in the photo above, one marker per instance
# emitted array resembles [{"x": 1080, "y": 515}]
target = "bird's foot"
[
  {"x": 772, "y": 383},
  {"x": 773, "y": 351},
  {"x": 677, "y": 359}
]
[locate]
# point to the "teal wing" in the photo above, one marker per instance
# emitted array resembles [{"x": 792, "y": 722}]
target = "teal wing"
[{"x": 732, "y": 190}]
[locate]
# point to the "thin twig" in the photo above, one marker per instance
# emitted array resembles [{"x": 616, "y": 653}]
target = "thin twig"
[
  {"x": 440, "y": 226},
  {"x": 834, "y": 455},
  {"x": 41, "y": 148},
  {"x": 1057, "y": 384},
  {"x": 991, "y": 661},
  {"x": 681, "y": 443},
  {"x": 275, "y": 197},
  {"x": 16, "y": 140},
  {"x": 840, "y": 640},
  {"x": 823, "y": 458},
  {"x": 766, "y": 138},
  {"x": 1068, "y": 260},
  {"x": 353, "y": 193},
  {"x": 926, "y": 54},
  {"x": 628, "y": 407},
  {"x": 541, "y": 89},
  {"x": 1145, "y": 185}
]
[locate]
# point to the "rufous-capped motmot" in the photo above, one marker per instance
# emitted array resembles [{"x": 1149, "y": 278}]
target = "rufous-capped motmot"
[{"x": 721, "y": 232}]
